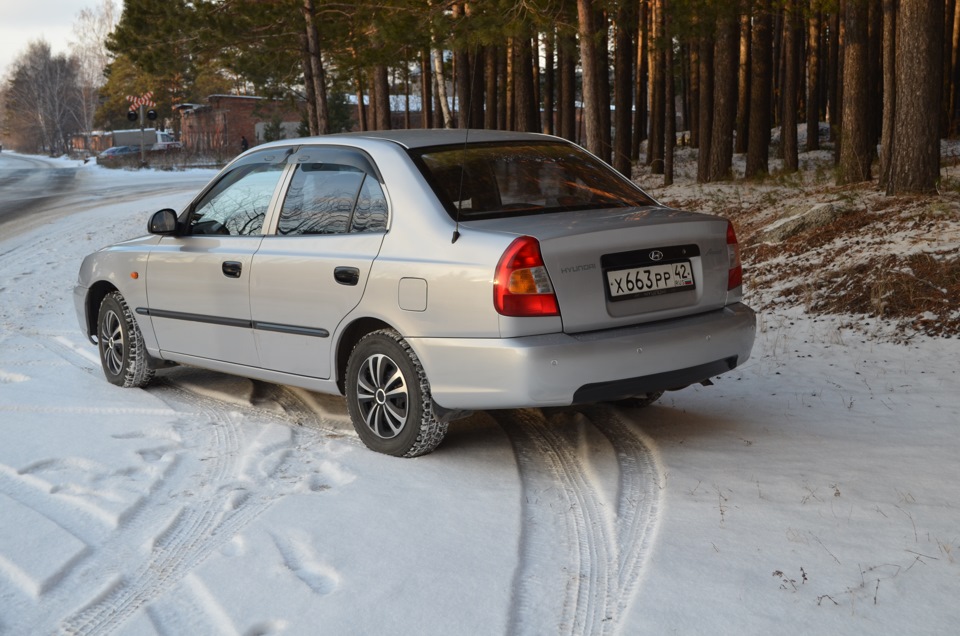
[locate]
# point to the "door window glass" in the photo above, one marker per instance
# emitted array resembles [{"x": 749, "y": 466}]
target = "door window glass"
[
  {"x": 371, "y": 212},
  {"x": 238, "y": 203},
  {"x": 326, "y": 198}
]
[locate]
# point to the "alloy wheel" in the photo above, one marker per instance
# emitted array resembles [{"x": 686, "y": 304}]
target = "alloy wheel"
[
  {"x": 382, "y": 395},
  {"x": 112, "y": 341}
]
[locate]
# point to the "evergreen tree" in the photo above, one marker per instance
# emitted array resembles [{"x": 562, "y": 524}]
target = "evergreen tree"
[
  {"x": 855, "y": 152},
  {"x": 916, "y": 137}
]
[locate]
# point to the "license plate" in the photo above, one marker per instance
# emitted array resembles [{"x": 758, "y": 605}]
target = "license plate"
[{"x": 650, "y": 280}]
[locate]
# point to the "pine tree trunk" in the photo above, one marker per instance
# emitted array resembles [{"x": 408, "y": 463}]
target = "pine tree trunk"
[
  {"x": 525, "y": 101},
  {"x": 855, "y": 154},
  {"x": 916, "y": 136},
  {"x": 549, "y": 81},
  {"x": 833, "y": 75},
  {"x": 623, "y": 87},
  {"x": 308, "y": 84},
  {"x": 591, "y": 86},
  {"x": 461, "y": 71},
  {"x": 537, "y": 103},
  {"x": 889, "y": 89},
  {"x": 726, "y": 57},
  {"x": 706, "y": 108},
  {"x": 791, "y": 87},
  {"x": 776, "y": 96},
  {"x": 567, "y": 111},
  {"x": 477, "y": 85},
  {"x": 954, "y": 85},
  {"x": 875, "y": 74},
  {"x": 362, "y": 119},
  {"x": 743, "y": 86},
  {"x": 695, "y": 94},
  {"x": 511, "y": 85},
  {"x": 670, "y": 130},
  {"x": 684, "y": 76},
  {"x": 381, "y": 97},
  {"x": 490, "y": 90},
  {"x": 949, "y": 9},
  {"x": 813, "y": 76},
  {"x": 640, "y": 90},
  {"x": 426, "y": 94},
  {"x": 603, "y": 83},
  {"x": 657, "y": 89},
  {"x": 836, "y": 131},
  {"x": 441, "y": 84},
  {"x": 316, "y": 69},
  {"x": 758, "y": 149},
  {"x": 503, "y": 87},
  {"x": 406, "y": 97}
]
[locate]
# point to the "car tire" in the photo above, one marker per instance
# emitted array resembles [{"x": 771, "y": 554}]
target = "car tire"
[
  {"x": 388, "y": 397},
  {"x": 123, "y": 355},
  {"x": 641, "y": 401}
]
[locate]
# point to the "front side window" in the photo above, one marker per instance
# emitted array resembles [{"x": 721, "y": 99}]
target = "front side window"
[
  {"x": 237, "y": 204},
  {"x": 327, "y": 198},
  {"x": 492, "y": 180}
]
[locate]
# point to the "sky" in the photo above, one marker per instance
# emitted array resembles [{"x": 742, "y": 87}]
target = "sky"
[{"x": 23, "y": 21}]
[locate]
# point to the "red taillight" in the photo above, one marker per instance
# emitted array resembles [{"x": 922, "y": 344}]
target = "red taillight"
[
  {"x": 735, "y": 274},
  {"x": 521, "y": 286}
]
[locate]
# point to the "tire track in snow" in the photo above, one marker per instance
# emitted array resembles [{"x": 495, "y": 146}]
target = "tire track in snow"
[
  {"x": 201, "y": 526},
  {"x": 198, "y": 528},
  {"x": 216, "y": 505},
  {"x": 575, "y": 546},
  {"x": 636, "y": 455}
]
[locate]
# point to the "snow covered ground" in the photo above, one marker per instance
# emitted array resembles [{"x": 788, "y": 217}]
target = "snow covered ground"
[{"x": 814, "y": 490}]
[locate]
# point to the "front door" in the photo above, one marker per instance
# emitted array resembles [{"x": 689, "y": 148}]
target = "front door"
[{"x": 198, "y": 283}]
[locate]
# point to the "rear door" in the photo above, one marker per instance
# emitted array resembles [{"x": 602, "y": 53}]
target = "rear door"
[{"x": 311, "y": 269}]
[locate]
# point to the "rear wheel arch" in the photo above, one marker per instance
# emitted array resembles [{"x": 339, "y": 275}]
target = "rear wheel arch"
[
  {"x": 349, "y": 338},
  {"x": 388, "y": 397}
]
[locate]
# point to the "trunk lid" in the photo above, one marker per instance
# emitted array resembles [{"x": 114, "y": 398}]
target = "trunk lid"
[{"x": 618, "y": 267}]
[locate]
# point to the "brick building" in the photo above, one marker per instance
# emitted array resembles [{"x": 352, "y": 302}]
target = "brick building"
[{"x": 218, "y": 126}]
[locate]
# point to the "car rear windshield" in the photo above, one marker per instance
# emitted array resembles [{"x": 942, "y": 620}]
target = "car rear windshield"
[{"x": 493, "y": 180}]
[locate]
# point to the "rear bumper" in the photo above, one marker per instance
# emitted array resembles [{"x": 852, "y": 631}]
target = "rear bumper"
[{"x": 561, "y": 369}]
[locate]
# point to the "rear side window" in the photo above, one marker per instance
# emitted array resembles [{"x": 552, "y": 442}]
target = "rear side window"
[
  {"x": 326, "y": 198},
  {"x": 370, "y": 214},
  {"x": 493, "y": 180}
]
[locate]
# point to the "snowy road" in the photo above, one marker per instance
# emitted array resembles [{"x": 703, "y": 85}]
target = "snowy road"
[{"x": 816, "y": 490}]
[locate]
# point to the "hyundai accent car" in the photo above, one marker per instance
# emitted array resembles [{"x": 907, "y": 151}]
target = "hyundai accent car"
[{"x": 424, "y": 275}]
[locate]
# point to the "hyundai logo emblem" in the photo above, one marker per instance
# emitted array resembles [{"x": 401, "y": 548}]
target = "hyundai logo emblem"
[{"x": 656, "y": 255}]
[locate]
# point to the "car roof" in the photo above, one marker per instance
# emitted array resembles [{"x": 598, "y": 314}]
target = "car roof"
[{"x": 422, "y": 138}]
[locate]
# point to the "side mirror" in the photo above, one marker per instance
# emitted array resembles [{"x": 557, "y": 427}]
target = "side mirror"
[{"x": 163, "y": 222}]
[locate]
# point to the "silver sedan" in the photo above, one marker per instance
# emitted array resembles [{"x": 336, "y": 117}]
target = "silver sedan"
[{"x": 424, "y": 275}]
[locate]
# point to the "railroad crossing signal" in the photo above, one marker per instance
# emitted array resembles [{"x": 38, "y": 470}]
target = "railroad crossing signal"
[
  {"x": 136, "y": 101},
  {"x": 139, "y": 103}
]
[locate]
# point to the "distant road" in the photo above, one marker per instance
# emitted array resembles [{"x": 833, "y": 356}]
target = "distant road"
[
  {"x": 29, "y": 188},
  {"x": 36, "y": 190}
]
